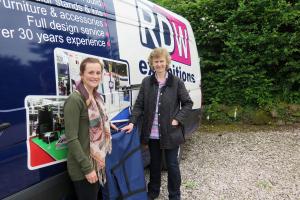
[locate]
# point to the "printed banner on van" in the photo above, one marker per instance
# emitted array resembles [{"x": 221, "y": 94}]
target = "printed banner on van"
[{"x": 46, "y": 140}]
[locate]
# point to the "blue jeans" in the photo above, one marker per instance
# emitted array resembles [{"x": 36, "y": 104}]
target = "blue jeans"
[{"x": 174, "y": 177}]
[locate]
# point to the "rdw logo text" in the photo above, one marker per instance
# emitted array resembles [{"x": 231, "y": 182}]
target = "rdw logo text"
[{"x": 160, "y": 29}]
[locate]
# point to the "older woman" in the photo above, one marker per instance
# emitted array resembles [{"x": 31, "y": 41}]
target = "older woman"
[
  {"x": 165, "y": 103},
  {"x": 87, "y": 131}
]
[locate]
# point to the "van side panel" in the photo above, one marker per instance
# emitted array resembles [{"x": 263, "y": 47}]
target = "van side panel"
[{"x": 30, "y": 31}]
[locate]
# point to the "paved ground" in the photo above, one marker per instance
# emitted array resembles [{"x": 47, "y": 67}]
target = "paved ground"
[{"x": 241, "y": 165}]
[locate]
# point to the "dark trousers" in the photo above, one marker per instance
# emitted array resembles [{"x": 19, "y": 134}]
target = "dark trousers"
[
  {"x": 174, "y": 177},
  {"x": 86, "y": 191}
]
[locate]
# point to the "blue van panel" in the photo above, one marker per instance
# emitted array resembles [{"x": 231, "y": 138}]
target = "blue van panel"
[
  {"x": 14, "y": 174},
  {"x": 16, "y": 133},
  {"x": 28, "y": 68}
]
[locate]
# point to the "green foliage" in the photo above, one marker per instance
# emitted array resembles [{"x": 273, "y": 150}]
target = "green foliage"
[
  {"x": 250, "y": 50},
  {"x": 260, "y": 117},
  {"x": 286, "y": 112},
  {"x": 277, "y": 114}
]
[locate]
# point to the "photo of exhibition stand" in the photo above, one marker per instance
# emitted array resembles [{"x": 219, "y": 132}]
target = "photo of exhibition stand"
[{"x": 46, "y": 140}]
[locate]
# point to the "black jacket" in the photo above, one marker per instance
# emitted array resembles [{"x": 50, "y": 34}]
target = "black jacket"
[{"x": 174, "y": 103}]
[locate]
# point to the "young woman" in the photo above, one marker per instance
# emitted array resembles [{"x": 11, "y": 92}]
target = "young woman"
[
  {"x": 164, "y": 103},
  {"x": 87, "y": 131}
]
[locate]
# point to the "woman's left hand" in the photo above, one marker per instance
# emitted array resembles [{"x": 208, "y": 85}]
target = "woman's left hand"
[
  {"x": 128, "y": 128},
  {"x": 175, "y": 122}
]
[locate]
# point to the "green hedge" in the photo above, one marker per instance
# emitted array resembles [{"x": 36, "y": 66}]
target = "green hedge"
[{"x": 250, "y": 50}]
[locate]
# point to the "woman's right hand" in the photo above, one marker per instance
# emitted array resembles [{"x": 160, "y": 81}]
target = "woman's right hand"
[
  {"x": 92, "y": 177},
  {"x": 128, "y": 128}
]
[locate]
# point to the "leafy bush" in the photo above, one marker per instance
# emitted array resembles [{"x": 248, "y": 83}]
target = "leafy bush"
[{"x": 250, "y": 50}]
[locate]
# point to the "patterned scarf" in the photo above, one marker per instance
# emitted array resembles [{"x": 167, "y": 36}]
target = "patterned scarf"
[{"x": 99, "y": 130}]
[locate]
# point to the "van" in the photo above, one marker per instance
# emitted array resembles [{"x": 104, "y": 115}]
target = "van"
[{"x": 42, "y": 43}]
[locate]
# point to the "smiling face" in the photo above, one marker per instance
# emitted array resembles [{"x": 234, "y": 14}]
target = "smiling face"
[
  {"x": 159, "y": 64},
  {"x": 159, "y": 60},
  {"x": 91, "y": 76}
]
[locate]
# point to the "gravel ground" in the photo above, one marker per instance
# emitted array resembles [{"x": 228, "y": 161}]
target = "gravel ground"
[{"x": 240, "y": 165}]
